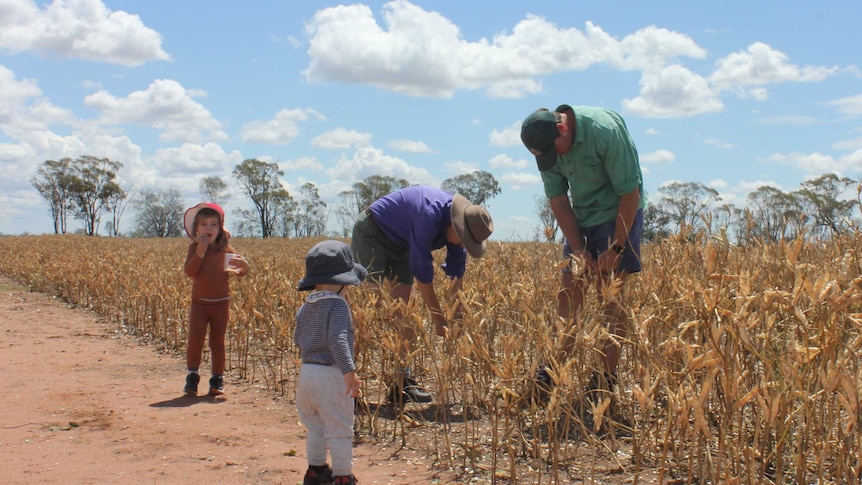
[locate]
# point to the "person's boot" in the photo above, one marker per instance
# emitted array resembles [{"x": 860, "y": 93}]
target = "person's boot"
[
  {"x": 601, "y": 385},
  {"x": 543, "y": 384},
  {"x": 408, "y": 391}
]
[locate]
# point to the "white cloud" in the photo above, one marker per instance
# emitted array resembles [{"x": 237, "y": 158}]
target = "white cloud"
[
  {"x": 513, "y": 88},
  {"x": 507, "y": 137},
  {"x": 521, "y": 180},
  {"x": 15, "y": 162},
  {"x": 193, "y": 159},
  {"x": 302, "y": 163},
  {"x": 819, "y": 163},
  {"x": 853, "y": 144},
  {"x": 20, "y": 205},
  {"x": 164, "y": 105},
  {"x": 653, "y": 46},
  {"x": 409, "y": 146},
  {"x": 45, "y": 114},
  {"x": 422, "y": 53},
  {"x": 505, "y": 161},
  {"x": 652, "y": 131},
  {"x": 14, "y": 93},
  {"x": 673, "y": 91},
  {"x": 83, "y": 29},
  {"x": 281, "y": 129},
  {"x": 718, "y": 143},
  {"x": 757, "y": 94},
  {"x": 517, "y": 228},
  {"x": 761, "y": 64},
  {"x": 91, "y": 85},
  {"x": 41, "y": 144},
  {"x": 341, "y": 139},
  {"x": 717, "y": 184},
  {"x": 850, "y": 106},
  {"x": 367, "y": 161},
  {"x": 738, "y": 193},
  {"x": 658, "y": 156},
  {"x": 750, "y": 186},
  {"x": 287, "y": 40},
  {"x": 47, "y": 143},
  {"x": 800, "y": 120},
  {"x": 457, "y": 167}
]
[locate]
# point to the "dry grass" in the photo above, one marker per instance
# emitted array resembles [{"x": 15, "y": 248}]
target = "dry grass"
[{"x": 742, "y": 365}]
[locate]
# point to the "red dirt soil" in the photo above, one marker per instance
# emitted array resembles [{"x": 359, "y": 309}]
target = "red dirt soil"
[{"x": 85, "y": 403}]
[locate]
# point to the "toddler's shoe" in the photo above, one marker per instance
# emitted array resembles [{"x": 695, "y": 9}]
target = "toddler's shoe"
[
  {"x": 345, "y": 480},
  {"x": 191, "y": 388},
  {"x": 322, "y": 476},
  {"x": 216, "y": 386}
]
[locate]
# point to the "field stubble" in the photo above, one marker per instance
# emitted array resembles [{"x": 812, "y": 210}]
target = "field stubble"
[{"x": 741, "y": 365}]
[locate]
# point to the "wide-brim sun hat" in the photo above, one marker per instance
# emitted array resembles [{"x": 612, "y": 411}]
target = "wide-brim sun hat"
[
  {"x": 472, "y": 223},
  {"x": 189, "y": 216},
  {"x": 331, "y": 263}
]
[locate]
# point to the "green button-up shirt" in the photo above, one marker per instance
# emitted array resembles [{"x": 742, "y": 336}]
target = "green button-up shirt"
[{"x": 601, "y": 166}]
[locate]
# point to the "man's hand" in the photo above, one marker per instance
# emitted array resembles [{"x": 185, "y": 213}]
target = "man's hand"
[
  {"x": 440, "y": 324},
  {"x": 608, "y": 262}
]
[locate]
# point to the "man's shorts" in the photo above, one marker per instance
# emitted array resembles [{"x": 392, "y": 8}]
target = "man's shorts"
[
  {"x": 381, "y": 258},
  {"x": 598, "y": 239}
]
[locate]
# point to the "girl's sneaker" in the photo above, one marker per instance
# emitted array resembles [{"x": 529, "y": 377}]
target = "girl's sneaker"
[
  {"x": 345, "y": 480},
  {"x": 192, "y": 384},
  {"x": 216, "y": 385},
  {"x": 322, "y": 476}
]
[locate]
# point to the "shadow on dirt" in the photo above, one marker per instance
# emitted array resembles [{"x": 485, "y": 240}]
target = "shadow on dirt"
[
  {"x": 443, "y": 414},
  {"x": 185, "y": 401}
]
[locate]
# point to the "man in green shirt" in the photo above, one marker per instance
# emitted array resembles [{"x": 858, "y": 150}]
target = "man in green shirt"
[{"x": 592, "y": 178}]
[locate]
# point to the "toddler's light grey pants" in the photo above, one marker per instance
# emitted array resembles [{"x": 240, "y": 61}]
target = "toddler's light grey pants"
[{"x": 327, "y": 411}]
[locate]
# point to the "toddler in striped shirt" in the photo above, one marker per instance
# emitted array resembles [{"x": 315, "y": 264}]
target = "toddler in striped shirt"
[{"x": 327, "y": 379}]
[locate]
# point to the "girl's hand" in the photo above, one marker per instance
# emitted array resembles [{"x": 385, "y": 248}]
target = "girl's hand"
[
  {"x": 204, "y": 241},
  {"x": 240, "y": 264}
]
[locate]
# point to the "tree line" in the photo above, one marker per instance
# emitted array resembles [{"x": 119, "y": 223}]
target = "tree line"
[
  {"x": 86, "y": 189},
  {"x": 819, "y": 208}
]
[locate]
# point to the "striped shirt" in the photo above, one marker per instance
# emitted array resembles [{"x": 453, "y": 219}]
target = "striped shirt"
[{"x": 324, "y": 331}]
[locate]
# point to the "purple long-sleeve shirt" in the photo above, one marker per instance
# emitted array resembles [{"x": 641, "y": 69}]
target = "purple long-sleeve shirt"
[{"x": 416, "y": 218}]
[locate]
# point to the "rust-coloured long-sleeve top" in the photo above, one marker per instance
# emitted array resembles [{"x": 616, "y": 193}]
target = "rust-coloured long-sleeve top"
[{"x": 210, "y": 281}]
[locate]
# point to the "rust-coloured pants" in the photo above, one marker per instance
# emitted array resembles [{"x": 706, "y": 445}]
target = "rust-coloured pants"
[{"x": 215, "y": 316}]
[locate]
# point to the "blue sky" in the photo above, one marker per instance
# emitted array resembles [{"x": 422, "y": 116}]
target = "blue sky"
[{"x": 731, "y": 94}]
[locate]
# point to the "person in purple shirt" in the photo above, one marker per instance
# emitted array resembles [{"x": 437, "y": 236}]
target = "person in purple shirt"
[{"x": 394, "y": 239}]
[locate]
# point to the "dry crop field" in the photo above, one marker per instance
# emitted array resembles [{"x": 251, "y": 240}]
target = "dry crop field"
[{"x": 742, "y": 365}]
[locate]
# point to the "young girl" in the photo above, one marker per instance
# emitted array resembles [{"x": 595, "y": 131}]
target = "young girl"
[
  {"x": 206, "y": 266},
  {"x": 327, "y": 379}
]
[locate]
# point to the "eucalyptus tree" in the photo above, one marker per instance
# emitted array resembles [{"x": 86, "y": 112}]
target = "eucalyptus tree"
[
  {"x": 478, "y": 186},
  {"x": 261, "y": 183}
]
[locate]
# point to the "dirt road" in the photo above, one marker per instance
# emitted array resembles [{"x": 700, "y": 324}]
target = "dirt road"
[{"x": 83, "y": 403}]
